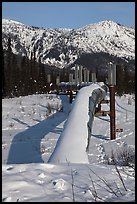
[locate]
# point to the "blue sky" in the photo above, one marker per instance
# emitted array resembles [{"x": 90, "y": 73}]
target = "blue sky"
[{"x": 69, "y": 14}]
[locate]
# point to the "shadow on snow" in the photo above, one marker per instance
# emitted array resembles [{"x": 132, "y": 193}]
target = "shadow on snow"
[{"x": 25, "y": 146}]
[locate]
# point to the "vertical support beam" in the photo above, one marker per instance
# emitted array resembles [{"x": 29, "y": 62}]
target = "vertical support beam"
[
  {"x": 48, "y": 82},
  {"x": 70, "y": 79},
  {"x": 57, "y": 80},
  {"x": 57, "y": 83},
  {"x": 76, "y": 75},
  {"x": 87, "y": 76},
  {"x": 112, "y": 112},
  {"x": 48, "y": 78},
  {"x": 94, "y": 77},
  {"x": 80, "y": 75}
]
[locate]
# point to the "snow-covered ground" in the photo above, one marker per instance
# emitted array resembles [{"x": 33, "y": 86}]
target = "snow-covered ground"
[{"x": 31, "y": 127}]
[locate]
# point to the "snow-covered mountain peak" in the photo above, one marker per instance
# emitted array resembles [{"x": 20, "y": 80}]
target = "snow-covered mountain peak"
[
  {"x": 62, "y": 47},
  {"x": 9, "y": 21}
]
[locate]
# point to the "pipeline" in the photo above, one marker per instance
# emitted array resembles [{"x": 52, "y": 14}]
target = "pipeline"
[
  {"x": 97, "y": 96},
  {"x": 72, "y": 143}
]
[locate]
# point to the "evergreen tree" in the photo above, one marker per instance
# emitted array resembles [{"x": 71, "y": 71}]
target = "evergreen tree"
[
  {"x": 120, "y": 89},
  {"x": 42, "y": 78},
  {"x": 8, "y": 70},
  {"x": 15, "y": 75},
  {"x": 3, "y": 74}
]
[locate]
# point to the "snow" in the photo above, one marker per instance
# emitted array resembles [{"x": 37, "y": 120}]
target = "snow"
[
  {"x": 31, "y": 128},
  {"x": 73, "y": 136},
  {"x": 105, "y": 36}
]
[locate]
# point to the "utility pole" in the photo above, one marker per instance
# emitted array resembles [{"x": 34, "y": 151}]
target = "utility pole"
[{"x": 112, "y": 83}]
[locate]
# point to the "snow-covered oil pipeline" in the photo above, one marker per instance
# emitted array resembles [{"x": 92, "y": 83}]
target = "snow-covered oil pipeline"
[{"x": 72, "y": 143}]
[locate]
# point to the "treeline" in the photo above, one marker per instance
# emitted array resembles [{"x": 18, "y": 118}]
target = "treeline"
[
  {"x": 22, "y": 76},
  {"x": 125, "y": 71},
  {"x": 125, "y": 80}
]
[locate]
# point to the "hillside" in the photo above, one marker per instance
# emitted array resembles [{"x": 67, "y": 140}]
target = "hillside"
[{"x": 106, "y": 40}]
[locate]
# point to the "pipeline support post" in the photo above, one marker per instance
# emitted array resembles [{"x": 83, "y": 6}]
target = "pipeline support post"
[
  {"x": 112, "y": 83},
  {"x": 112, "y": 112}
]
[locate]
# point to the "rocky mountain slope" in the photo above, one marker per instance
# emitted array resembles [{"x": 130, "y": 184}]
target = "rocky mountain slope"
[{"x": 90, "y": 45}]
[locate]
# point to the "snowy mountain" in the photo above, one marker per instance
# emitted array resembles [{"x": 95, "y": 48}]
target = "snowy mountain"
[{"x": 63, "y": 47}]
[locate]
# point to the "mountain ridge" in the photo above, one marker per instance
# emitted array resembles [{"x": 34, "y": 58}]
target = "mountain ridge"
[{"x": 63, "y": 47}]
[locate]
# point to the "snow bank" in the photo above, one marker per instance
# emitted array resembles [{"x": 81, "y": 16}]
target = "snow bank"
[{"x": 71, "y": 146}]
